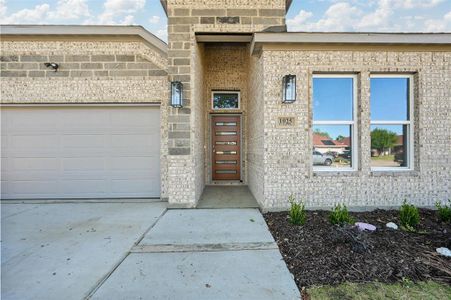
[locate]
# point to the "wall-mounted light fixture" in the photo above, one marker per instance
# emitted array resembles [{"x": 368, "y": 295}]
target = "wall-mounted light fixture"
[
  {"x": 289, "y": 88},
  {"x": 176, "y": 94},
  {"x": 52, "y": 65}
]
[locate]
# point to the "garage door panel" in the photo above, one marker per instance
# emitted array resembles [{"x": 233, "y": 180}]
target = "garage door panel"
[
  {"x": 35, "y": 163},
  {"x": 81, "y": 152},
  {"x": 124, "y": 186},
  {"x": 32, "y": 187},
  {"x": 120, "y": 119},
  {"x": 27, "y": 119},
  {"x": 124, "y": 140},
  {"x": 92, "y": 118},
  {"x": 83, "y": 187},
  {"x": 87, "y": 140},
  {"x": 83, "y": 164},
  {"x": 34, "y": 141},
  {"x": 13, "y": 175},
  {"x": 132, "y": 163}
]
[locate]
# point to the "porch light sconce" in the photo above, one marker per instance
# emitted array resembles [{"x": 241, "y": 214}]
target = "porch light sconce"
[
  {"x": 289, "y": 88},
  {"x": 176, "y": 94},
  {"x": 52, "y": 65}
]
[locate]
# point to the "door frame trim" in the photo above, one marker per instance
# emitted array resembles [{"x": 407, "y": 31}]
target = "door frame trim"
[{"x": 210, "y": 146}]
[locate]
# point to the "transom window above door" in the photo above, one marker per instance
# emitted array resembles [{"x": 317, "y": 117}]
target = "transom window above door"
[{"x": 225, "y": 100}]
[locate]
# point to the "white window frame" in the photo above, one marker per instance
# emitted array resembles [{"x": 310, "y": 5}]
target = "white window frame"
[
  {"x": 352, "y": 123},
  {"x": 225, "y": 92},
  {"x": 409, "y": 123}
]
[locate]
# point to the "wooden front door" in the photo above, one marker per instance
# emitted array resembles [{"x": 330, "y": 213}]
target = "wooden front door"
[{"x": 226, "y": 143}]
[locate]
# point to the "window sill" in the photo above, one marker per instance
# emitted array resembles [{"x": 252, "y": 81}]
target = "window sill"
[
  {"x": 330, "y": 173},
  {"x": 402, "y": 172}
]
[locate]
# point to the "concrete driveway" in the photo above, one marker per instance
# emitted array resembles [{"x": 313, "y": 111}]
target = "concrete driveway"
[
  {"x": 139, "y": 251},
  {"x": 62, "y": 251}
]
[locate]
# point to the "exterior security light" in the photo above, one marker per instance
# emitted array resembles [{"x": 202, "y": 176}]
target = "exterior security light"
[
  {"x": 176, "y": 94},
  {"x": 52, "y": 65},
  {"x": 289, "y": 88}
]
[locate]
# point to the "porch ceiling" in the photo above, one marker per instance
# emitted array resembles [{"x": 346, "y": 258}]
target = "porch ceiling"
[{"x": 223, "y": 38}]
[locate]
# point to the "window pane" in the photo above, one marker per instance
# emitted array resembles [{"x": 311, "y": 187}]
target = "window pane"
[
  {"x": 225, "y": 132},
  {"x": 389, "y": 99},
  {"x": 226, "y": 162},
  {"x": 226, "y": 152},
  {"x": 225, "y": 143},
  {"x": 225, "y": 171},
  {"x": 389, "y": 145},
  {"x": 332, "y": 146},
  {"x": 225, "y": 123},
  {"x": 332, "y": 99},
  {"x": 225, "y": 100}
]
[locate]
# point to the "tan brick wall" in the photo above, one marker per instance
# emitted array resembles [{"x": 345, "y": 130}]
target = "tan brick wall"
[
  {"x": 89, "y": 72},
  {"x": 255, "y": 136},
  {"x": 198, "y": 119},
  {"x": 226, "y": 68},
  {"x": 287, "y": 156},
  {"x": 185, "y": 18}
]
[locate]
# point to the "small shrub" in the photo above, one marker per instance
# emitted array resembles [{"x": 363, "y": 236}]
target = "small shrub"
[
  {"x": 297, "y": 214},
  {"x": 444, "y": 211},
  {"x": 409, "y": 216},
  {"x": 340, "y": 215}
]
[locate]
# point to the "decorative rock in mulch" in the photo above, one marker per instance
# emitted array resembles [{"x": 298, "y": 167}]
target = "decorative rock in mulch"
[
  {"x": 392, "y": 225},
  {"x": 444, "y": 251},
  {"x": 365, "y": 226}
]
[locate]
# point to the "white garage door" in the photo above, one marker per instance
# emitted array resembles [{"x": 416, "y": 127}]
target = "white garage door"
[{"x": 80, "y": 152}]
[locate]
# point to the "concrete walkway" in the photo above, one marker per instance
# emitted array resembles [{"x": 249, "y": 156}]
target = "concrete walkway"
[
  {"x": 139, "y": 251},
  {"x": 233, "y": 196},
  {"x": 203, "y": 254}
]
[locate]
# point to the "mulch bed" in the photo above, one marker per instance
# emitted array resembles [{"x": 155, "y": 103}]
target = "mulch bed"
[{"x": 319, "y": 253}]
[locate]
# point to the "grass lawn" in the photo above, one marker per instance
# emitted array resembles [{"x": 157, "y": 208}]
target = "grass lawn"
[
  {"x": 384, "y": 157},
  {"x": 405, "y": 290}
]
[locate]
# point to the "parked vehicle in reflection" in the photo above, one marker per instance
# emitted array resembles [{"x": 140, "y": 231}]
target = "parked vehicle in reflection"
[
  {"x": 346, "y": 154},
  {"x": 334, "y": 154},
  {"x": 322, "y": 159}
]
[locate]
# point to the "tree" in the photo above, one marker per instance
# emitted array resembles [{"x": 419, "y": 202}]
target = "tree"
[
  {"x": 340, "y": 138},
  {"x": 382, "y": 139},
  {"x": 322, "y": 133}
]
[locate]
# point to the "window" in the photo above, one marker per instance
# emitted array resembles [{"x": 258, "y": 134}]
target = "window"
[
  {"x": 334, "y": 122},
  {"x": 391, "y": 104},
  {"x": 225, "y": 100}
]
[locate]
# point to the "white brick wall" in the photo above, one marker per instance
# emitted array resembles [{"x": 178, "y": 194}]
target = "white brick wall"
[{"x": 287, "y": 155}]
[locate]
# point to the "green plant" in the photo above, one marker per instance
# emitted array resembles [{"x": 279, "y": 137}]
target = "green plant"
[
  {"x": 382, "y": 139},
  {"x": 340, "y": 215},
  {"x": 409, "y": 216},
  {"x": 444, "y": 211},
  {"x": 297, "y": 214}
]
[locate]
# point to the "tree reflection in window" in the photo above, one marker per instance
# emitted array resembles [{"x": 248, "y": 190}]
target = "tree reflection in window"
[{"x": 225, "y": 100}]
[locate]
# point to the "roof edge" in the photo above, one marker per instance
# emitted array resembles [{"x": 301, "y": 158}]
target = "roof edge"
[
  {"x": 68, "y": 30},
  {"x": 370, "y": 38}
]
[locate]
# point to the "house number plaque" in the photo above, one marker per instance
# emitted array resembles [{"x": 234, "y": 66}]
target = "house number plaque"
[{"x": 286, "y": 122}]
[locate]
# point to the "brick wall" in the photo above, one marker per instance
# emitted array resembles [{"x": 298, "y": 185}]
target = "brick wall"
[
  {"x": 89, "y": 72},
  {"x": 287, "y": 152},
  {"x": 185, "y": 18},
  {"x": 226, "y": 68},
  {"x": 255, "y": 136}
]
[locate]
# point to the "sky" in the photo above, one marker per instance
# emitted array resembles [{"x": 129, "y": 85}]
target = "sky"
[
  {"x": 332, "y": 101},
  {"x": 304, "y": 15}
]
